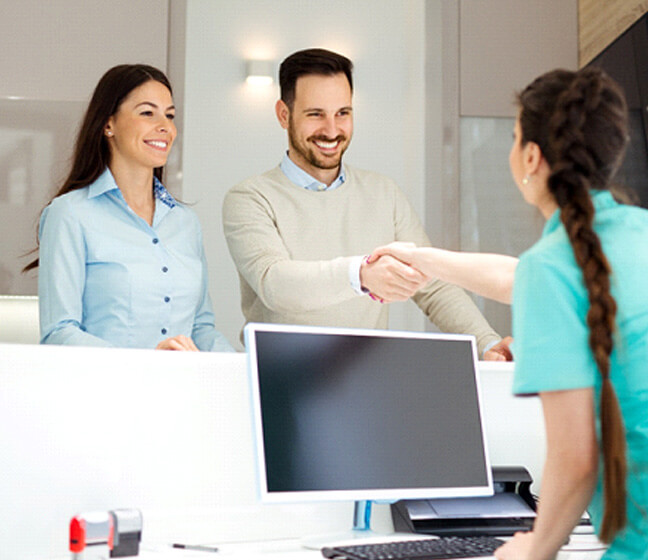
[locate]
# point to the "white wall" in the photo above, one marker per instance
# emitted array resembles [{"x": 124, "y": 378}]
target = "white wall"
[
  {"x": 230, "y": 130},
  {"x": 522, "y": 40},
  {"x": 57, "y": 51}
]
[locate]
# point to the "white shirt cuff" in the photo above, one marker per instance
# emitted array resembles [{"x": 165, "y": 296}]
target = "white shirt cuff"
[
  {"x": 354, "y": 275},
  {"x": 489, "y": 346}
]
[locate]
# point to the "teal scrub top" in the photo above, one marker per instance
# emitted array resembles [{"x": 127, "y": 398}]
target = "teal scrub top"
[{"x": 551, "y": 346}]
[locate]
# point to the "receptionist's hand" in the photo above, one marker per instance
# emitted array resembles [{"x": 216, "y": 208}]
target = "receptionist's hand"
[
  {"x": 180, "y": 342},
  {"x": 520, "y": 547},
  {"x": 404, "y": 251},
  {"x": 390, "y": 279},
  {"x": 501, "y": 352}
]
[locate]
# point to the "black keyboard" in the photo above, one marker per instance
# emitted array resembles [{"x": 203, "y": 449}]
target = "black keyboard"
[{"x": 427, "y": 549}]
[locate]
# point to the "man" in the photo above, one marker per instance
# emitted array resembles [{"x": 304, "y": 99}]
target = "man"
[{"x": 299, "y": 234}]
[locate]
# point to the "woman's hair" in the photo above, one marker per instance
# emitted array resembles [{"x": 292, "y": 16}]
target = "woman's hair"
[
  {"x": 579, "y": 121},
  {"x": 91, "y": 152}
]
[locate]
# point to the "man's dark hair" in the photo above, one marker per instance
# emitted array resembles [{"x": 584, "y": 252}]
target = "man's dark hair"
[{"x": 310, "y": 61}]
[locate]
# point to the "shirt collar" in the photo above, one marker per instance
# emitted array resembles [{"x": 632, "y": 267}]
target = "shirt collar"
[
  {"x": 299, "y": 177},
  {"x": 163, "y": 195},
  {"x": 106, "y": 182},
  {"x": 602, "y": 200}
]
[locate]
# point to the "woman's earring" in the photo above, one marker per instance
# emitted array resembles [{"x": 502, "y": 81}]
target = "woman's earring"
[
  {"x": 109, "y": 133},
  {"x": 526, "y": 180}
]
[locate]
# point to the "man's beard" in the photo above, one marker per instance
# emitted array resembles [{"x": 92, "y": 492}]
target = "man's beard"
[{"x": 311, "y": 156}]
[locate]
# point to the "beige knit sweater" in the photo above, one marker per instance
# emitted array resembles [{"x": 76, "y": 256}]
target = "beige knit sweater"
[{"x": 292, "y": 249}]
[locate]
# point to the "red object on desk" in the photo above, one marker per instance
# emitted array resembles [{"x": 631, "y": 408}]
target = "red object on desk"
[{"x": 90, "y": 529}]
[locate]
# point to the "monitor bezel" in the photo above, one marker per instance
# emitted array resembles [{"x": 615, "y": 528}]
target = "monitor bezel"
[{"x": 386, "y": 495}]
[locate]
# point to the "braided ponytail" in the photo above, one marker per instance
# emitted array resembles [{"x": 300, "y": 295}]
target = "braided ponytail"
[
  {"x": 583, "y": 142},
  {"x": 577, "y": 216}
]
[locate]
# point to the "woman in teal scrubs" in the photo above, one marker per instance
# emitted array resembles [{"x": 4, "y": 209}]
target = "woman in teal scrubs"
[{"x": 580, "y": 313}]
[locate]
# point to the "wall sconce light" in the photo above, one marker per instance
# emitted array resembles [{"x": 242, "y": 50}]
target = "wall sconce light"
[{"x": 259, "y": 72}]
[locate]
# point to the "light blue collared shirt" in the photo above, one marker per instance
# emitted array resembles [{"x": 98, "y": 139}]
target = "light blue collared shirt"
[
  {"x": 302, "y": 179},
  {"x": 108, "y": 278}
]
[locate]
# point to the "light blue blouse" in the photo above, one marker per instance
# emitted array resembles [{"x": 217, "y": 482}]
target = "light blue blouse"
[
  {"x": 108, "y": 278},
  {"x": 551, "y": 340}
]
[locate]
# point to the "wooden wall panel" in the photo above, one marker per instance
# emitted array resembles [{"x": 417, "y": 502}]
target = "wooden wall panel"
[{"x": 600, "y": 22}]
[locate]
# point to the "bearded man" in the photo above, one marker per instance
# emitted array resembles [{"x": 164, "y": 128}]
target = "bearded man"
[{"x": 300, "y": 233}]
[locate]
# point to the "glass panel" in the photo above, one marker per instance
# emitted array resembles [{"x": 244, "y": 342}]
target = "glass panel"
[
  {"x": 494, "y": 216},
  {"x": 36, "y": 140}
]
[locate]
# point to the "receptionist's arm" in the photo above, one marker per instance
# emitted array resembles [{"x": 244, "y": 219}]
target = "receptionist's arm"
[
  {"x": 569, "y": 475},
  {"x": 489, "y": 275}
]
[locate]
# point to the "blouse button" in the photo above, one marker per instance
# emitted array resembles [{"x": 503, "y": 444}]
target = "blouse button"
[
  {"x": 163, "y": 331},
  {"x": 167, "y": 299},
  {"x": 155, "y": 241},
  {"x": 165, "y": 269}
]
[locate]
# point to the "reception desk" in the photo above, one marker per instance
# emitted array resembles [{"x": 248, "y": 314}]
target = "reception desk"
[{"x": 85, "y": 429}]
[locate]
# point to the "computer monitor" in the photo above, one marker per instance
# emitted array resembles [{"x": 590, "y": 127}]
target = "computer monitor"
[{"x": 351, "y": 414}]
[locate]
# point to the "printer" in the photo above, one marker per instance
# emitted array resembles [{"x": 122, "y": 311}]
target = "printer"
[{"x": 510, "y": 509}]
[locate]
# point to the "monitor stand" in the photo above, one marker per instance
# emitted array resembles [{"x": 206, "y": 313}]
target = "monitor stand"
[{"x": 361, "y": 530}]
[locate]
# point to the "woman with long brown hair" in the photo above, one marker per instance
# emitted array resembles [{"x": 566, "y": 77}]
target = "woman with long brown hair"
[
  {"x": 121, "y": 262},
  {"x": 580, "y": 312}
]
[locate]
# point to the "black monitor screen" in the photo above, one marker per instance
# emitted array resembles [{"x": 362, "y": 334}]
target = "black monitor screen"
[{"x": 367, "y": 414}]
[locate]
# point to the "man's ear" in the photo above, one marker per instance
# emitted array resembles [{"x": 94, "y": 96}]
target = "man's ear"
[{"x": 283, "y": 113}]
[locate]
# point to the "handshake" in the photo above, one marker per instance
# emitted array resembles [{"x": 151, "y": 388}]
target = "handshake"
[
  {"x": 395, "y": 272},
  {"x": 391, "y": 273}
]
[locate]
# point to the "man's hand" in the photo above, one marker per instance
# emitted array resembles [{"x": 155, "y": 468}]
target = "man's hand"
[
  {"x": 391, "y": 280},
  {"x": 500, "y": 352},
  {"x": 180, "y": 343}
]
